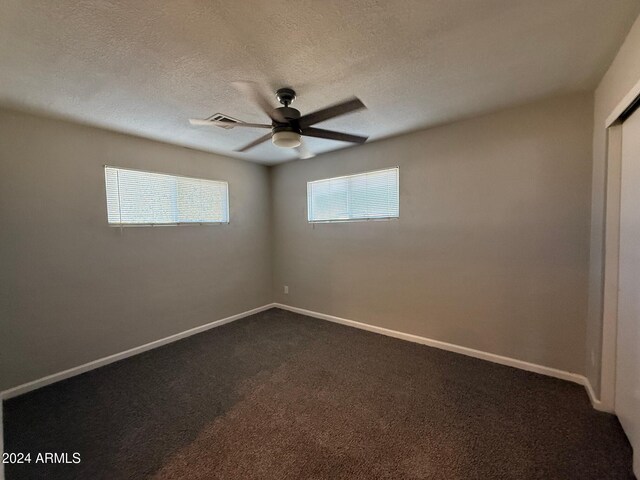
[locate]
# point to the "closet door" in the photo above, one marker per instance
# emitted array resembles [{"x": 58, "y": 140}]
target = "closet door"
[{"x": 627, "y": 400}]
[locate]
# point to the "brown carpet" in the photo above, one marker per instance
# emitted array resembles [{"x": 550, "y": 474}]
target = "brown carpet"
[{"x": 283, "y": 396}]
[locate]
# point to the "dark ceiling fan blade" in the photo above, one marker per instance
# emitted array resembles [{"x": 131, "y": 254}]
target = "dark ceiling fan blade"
[
  {"x": 252, "y": 92},
  {"x": 264, "y": 138},
  {"x": 333, "y": 111},
  {"x": 223, "y": 123},
  {"x": 331, "y": 135}
]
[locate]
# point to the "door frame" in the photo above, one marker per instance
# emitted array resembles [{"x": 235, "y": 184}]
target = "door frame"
[{"x": 611, "y": 248}]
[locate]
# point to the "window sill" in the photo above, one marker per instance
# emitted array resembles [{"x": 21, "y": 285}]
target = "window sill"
[
  {"x": 354, "y": 220},
  {"x": 127, "y": 225}
]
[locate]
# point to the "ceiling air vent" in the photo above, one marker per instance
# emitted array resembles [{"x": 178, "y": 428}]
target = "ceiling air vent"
[{"x": 221, "y": 117}]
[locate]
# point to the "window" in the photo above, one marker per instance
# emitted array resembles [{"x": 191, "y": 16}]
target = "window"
[
  {"x": 364, "y": 196},
  {"x": 145, "y": 198}
]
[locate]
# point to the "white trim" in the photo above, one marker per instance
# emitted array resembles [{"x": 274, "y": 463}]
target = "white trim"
[
  {"x": 450, "y": 347},
  {"x": 623, "y": 104},
  {"x": 72, "y": 372},
  {"x": 610, "y": 267},
  {"x": 611, "y": 253},
  {"x": 595, "y": 403},
  {"x": 511, "y": 362}
]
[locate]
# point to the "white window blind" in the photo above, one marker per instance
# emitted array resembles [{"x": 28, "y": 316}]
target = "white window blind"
[
  {"x": 143, "y": 198},
  {"x": 362, "y": 196}
]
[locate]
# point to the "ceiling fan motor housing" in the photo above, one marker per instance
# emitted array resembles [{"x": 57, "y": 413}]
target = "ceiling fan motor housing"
[{"x": 291, "y": 115}]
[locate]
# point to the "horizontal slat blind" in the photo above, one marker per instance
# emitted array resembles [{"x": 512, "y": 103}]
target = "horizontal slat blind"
[
  {"x": 362, "y": 196},
  {"x": 136, "y": 197}
]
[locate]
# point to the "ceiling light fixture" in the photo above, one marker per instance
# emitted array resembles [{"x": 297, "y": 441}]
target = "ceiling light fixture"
[{"x": 286, "y": 139}]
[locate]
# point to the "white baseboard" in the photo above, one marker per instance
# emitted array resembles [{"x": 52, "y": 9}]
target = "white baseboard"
[
  {"x": 72, "y": 372},
  {"x": 512, "y": 362},
  {"x": 450, "y": 347},
  {"x": 595, "y": 402}
]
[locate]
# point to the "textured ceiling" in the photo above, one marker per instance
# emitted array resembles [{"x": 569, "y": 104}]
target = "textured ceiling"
[{"x": 145, "y": 66}]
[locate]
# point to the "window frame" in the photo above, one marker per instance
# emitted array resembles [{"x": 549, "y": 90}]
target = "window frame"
[
  {"x": 359, "y": 219},
  {"x": 173, "y": 224}
]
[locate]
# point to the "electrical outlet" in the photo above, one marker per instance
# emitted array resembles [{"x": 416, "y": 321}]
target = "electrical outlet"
[{"x": 286, "y": 289}]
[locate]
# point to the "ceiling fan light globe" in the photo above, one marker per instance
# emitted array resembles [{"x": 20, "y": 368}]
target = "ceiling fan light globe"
[{"x": 286, "y": 139}]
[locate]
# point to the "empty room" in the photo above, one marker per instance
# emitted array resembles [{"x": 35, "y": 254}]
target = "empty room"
[{"x": 278, "y": 240}]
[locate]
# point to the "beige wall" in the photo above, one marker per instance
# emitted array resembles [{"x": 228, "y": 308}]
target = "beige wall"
[
  {"x": 490, "y": 252},
  {"x": 73, "y": 289},
  {"x": 491, "y": 248},
  {"x": 622, "y": 75}
]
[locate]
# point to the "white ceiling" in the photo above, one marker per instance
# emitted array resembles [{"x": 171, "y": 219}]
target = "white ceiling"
[{"x": 145, "y": 66}]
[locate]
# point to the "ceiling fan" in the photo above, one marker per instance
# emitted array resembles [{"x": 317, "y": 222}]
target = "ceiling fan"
[{"x": 287, "y": 125}]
